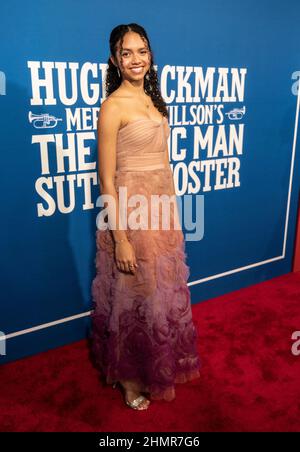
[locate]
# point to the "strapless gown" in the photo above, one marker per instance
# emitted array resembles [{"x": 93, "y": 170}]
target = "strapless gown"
[{"x": 142, "y": 326}]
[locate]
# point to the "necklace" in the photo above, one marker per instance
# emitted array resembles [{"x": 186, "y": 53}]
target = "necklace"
[{"x": 147, "y": 104}]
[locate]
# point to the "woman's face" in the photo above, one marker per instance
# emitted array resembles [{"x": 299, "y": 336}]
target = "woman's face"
[{"x": 134, "y": 58}]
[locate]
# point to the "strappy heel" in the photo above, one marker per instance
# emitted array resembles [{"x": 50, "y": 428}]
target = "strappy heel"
[{"x": 135, "y": 404}]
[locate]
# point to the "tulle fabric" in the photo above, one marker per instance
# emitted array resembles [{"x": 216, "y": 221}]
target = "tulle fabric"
[{"x": 142, "y": 325}]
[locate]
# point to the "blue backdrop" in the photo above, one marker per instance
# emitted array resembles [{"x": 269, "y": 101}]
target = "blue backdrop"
[{"x": 234, "y": 66}]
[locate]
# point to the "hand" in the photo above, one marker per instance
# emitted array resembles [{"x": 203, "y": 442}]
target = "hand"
[{"x": 125, "y": 257}]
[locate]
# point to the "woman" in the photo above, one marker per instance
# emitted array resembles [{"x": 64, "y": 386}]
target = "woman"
[{"x": 143, "y": 335}]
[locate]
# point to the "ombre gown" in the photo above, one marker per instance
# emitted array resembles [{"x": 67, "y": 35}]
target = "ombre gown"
[{"x": 142, "y": 326}]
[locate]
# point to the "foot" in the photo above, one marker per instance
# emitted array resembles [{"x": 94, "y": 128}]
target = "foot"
[
  {"x": 136, "y": 400},
  {"x": 133, "y": 396}
]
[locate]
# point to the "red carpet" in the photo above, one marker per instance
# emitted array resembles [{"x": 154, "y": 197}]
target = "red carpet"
[{"x": 250, "y": 379}]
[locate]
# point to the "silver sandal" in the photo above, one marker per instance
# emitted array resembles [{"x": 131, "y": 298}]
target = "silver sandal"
[{"x": 136, "y": 402}]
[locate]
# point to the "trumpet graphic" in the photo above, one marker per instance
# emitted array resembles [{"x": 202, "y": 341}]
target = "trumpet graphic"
[
  {"x": 44, "y": 121},
  {"x": 236, "y": 113}
]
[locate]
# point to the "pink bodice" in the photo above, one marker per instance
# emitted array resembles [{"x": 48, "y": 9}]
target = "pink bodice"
[{"x": 141, "y": 145}]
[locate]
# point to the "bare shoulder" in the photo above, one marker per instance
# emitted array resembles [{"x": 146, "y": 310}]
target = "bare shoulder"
[
  {"x": 116, "y": 103},
  {"x": 109, "y": 114},
  {"x": 124, "y": 104},
  {"x": 109, "y": 106}
]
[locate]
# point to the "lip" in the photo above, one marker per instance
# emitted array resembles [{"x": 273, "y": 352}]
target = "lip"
[{"x": 137, "y": 70}]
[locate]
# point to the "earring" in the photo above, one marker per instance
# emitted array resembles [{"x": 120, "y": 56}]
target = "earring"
[{"x": 118, "y": 72}]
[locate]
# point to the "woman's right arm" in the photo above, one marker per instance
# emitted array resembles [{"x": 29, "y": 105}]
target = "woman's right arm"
[
  {"x": 109, "y": 122},
  {"x": 108, "y": 126}
]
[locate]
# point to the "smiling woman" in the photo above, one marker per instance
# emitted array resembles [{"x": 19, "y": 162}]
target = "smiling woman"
[
  {"x": 143, "y": 335},
  {"x": 137, "y": 68}
]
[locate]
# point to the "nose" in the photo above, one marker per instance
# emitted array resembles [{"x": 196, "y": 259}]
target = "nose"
[{"x": 136, "y": 59}]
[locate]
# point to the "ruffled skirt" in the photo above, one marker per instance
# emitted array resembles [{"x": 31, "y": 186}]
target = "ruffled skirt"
[{"x": 142, "y": 325}]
